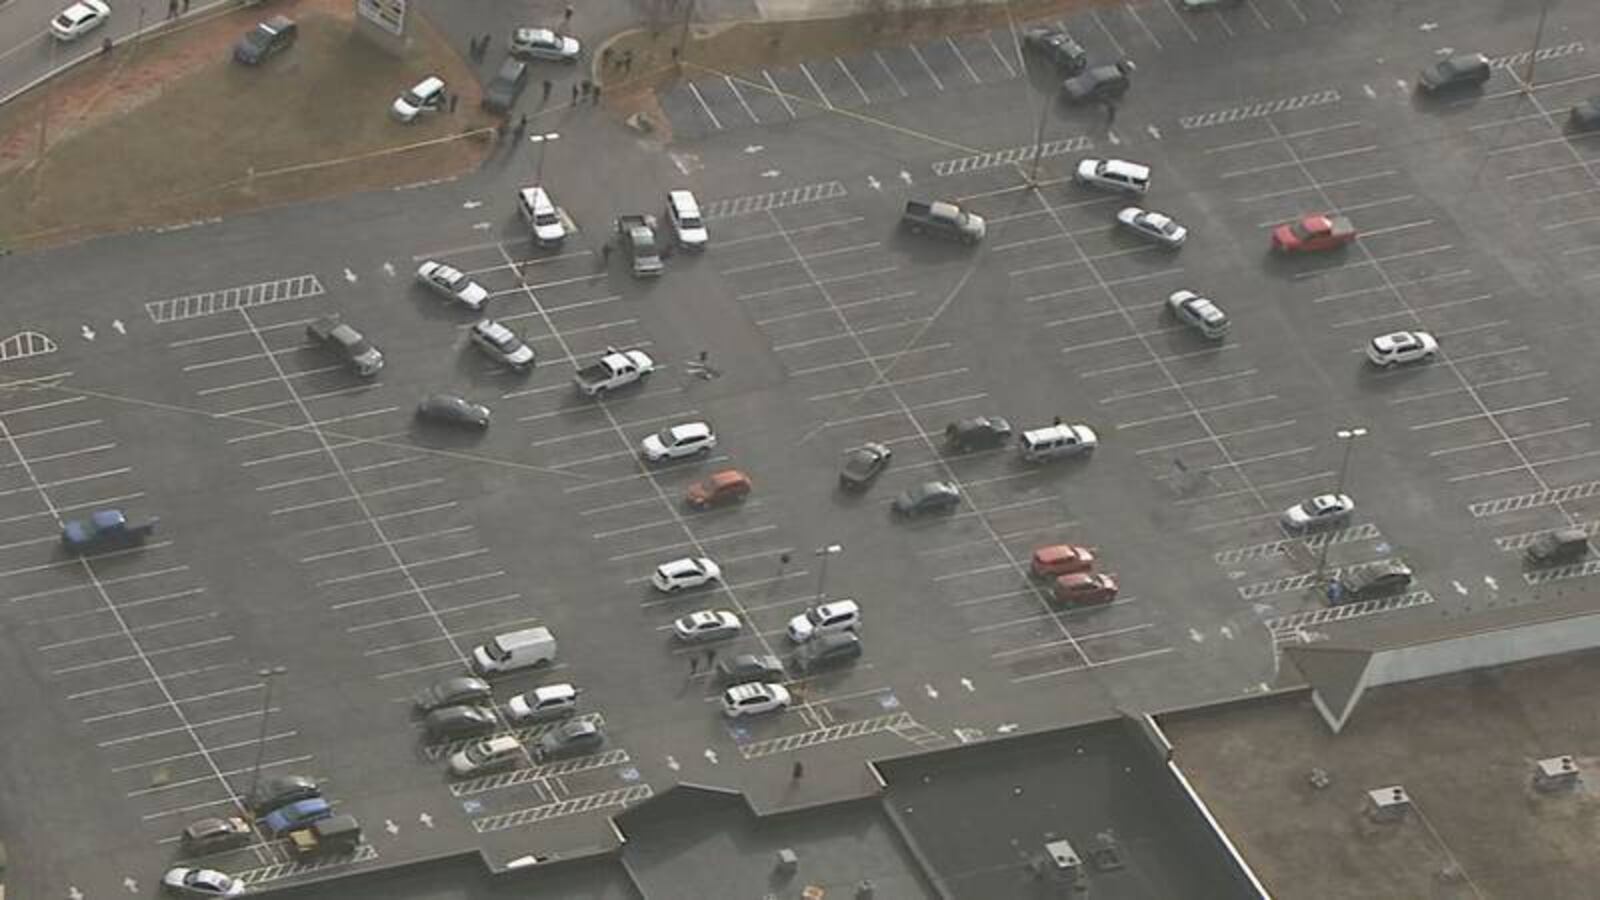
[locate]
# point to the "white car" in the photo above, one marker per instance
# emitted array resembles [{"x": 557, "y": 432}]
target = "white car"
[
  {"x": 426, "y": 97},
  {"x": 542, "y": 43},
  {"x": 501, "y": 344},
  {"x": 539, "y": 210},
  {"x": 684, "y": 573},
  {"x": 187, "y": 881},
  {"x": 78, "y": 20},
  {"x": 549, "y": 701},
  {"x": 487, "y": 755},
  {"x": 453, "y": 284},
  {"x": 683, "y": 211},
  {"x": 678, "y": 442},
  {"x": 837, "y": 615},
  {"x": 1198, "y": 313},
  {"x": 1401, "y": 347},
  {"x": 752, "y": 698},
  {"x": 1323, "y": 509},
  {"x": 1113, "y": 175},
  {"x": 707, "y": 625},
  {"x": 1153, "y": 226}
]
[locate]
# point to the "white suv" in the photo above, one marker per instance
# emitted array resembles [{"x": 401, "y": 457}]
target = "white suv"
[
  {"x": 1113, "y": 175},
  {"x": 755, "y": 697},
  {"x": 540, "y": 212},
  {"x": 688, "y": 572},
  {"x": 839, "y": 615},
  {"x": 687, "y": 225},
  {"x": 678, "y": 442}
]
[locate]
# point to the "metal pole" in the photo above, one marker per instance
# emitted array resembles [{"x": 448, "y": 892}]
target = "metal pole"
[
  {"x": 542, "y": 140},
  {"x": 269, "y": 675},
  {"x": 1348, "y": 435},
  {"x": 1533, "y": 57},
  {"x": 822, "y": 572}
]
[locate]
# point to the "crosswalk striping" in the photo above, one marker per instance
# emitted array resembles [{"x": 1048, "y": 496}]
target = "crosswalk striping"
[
  {"x": 1289, "y": 629},
  {"x": 754, "y": 203},
  {"x": 1257, "y": 110},
  {"x": 571, "y": 806},
  {"x": 1314, "y": 542},
  {"x": 208, "y": 303},
  {"x": 1516, "y": 503},
  {"x": 895, "y": 722},
  {"x": 1028, "y": 153}
]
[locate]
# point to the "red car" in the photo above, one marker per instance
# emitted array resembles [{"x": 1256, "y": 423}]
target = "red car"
[
  {"x": 1313, "y": 234},
  {"x": 1061, "y": 559},
  {"x": 726, "y": 486},
  {"x": 1083, "y": 589}
]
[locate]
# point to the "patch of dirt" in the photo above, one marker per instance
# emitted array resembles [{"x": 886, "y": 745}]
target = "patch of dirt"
[{"x": 197, "y": 135}]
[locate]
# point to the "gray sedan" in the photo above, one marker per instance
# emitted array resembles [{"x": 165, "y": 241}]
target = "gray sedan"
[
  {"x": 1153, "y": 226},
  {"x": 453, "y": 410}
]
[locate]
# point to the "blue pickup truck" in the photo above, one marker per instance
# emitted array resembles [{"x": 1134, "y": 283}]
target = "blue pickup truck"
[{"x": 105, "y": 529}]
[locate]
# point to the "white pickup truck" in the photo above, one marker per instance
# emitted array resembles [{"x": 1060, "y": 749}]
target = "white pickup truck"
[{"x": 613, "y": 370}]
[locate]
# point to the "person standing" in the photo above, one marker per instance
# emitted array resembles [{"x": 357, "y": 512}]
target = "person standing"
[{"x": 547, "y": 86}]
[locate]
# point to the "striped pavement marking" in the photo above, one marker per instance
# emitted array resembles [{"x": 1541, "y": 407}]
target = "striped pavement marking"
[
  {"x": 1562, "y": 573},
  {"x": 209, "y": 303},
  {"x": 1513, "y": 60},
  {"x": 24, "y": 344},
  {"x": 571, "y": 806},
  {"x": 1511, "y": 543},
  {"x": 1485, "y": 508},
  {"x": 1291, "y": 628},
  {"x": 754, "y": 203},
  {"x": 551, "y": 770},
  {"x": 894, "y": 722},
  {"x": 279, "y": 871},
  {"x": 994, "y": 158},
  {"x": 1257, "y": 110},
  {"x": 1277, "y": 548}
]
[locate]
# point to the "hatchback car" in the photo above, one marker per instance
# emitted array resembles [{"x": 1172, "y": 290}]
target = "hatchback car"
[
  {"x": 280, "y": 790},
  {"x": 1116, "y": 175},
  {"x": 978, "y": 433},
  {"x": 452, "y": 284},
  {"x": 707, "y": 625},
  {"x": 1199, "y": 313},
  {"x": 494, "y": 754},
  {"x": 265, "y": 40},
  {"x": 927, "y": 498},
  {"x": 1313, "y": 234},
  {"x": 213, "y": 835},
  {"x": 726, "y": 486},
  {"x": 688, "y": 572},
  {"x": 1319, "y": 511},
  {"x": 463, "y": 689},
  {"x": 679, "y": 441},
  {"x": 549, "y": 701},
  {"x": 1399, "y": 347},
  {"x": 1085, "y": 589},
  {"x": 1096, "y": 83},
  {"x": 459, "y": 721},
  {"x": 1463, "y": 70},
  {"x": 749, "y": 667},
  {"x": 79, "y": 19},
  {"x": 836, "y": 615},
  {"x": 1060, "y": 559},
  {"x": 1158, "y": 228},
  {"x": 1374, "y": 580},
  {"x": 826, "y": 651},
  {"x": 754, "y": 698},
  {"x": 862, "y": 465},
  {"x": 1057, "y": 47},
  {"x": 542, "y": 43},
  {"x": 501, "y": 344},
  {"x": 501, "y": 93},
  {"x": 1564, "y": 545},
  {"x": 186, "y": 881},
  {"x": 453, "y": 410},
  {"x": 426, "y": 97},
  {"x": 575, "y": 738},
  {"x": 296, "y": 815}
]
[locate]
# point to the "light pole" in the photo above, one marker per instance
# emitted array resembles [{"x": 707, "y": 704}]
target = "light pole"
[
  {"x": 1348, "y": 436},
  {"x": 543, "y": 140},
  {"x": 269, "y": 675},
  {"x": 822, "y": 572}
]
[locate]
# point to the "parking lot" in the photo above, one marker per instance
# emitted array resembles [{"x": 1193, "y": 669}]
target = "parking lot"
[{"x": 308, "y": 521}]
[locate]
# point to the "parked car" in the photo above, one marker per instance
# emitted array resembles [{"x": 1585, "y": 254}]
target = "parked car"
[
  {"x": 707, "y": 625},
  {"x": 826, "y": 651},
  {"x": 281, "y": 790},
  {"x": 459, "y": 721},
  {"x": 1399, "y": 347},
  {"x": 824, "y": 618},
  {"x": 452, "y": 284},
  {"x": 1319, "y": 511},
  {"x": 678, "y": 442},
  {"x": 215, "y": 834},
  {"x": 576, "y": 738},
  {"x": 862, "y": 465},
  {"x": 1313, "y": 234},
  {"x": 549, "y": 701},
  {"x": 187, "y": 881},
  {"x": 502, "y": 91},
  {"x": 539, "y": 210},
  {"x": 298, "y": 814},
  {"x": 462, "y": 689},
  {"x": 944, "y": 219},
  {"x": 105, "y": 529},
  {"x": 1096, "y": 83},
  {"x": 688, "y": 226},
  {"x": 1156, "y": 227},
  {"x": 1057, "y": 47},
  {"x": 978, "y": 433},
  {"x": 501, "y": 344},
  {"x": 1060, "y": 559},
  {"x": 726, "y": 486},
  {"x": 542, "y": 43},
  {"x": 1085, "y": 589},
  {"x": 1585, "y": 114},
  {"x": 1199, "y": 313},
  {"x": 265, "y": 40},
  {"x": 453, "y": 410},
  {"x": 754, "y": 698},
  {"x": 347, "y": 343},
  {"x": 1115, "y": 175},
  {"x": 749, "y": 667},
  {"x": 1564, "y": 545},
  {"x": 494, "y": 754},
  {"x": 1463, "y": 70},
  {"x": 426, "y": 97},
  {"x": 79, "y": 19},
  {"x": 688, "y": 572},
  {"x": 1371, "y": 581},
  {"x": 926, "y": 498}
]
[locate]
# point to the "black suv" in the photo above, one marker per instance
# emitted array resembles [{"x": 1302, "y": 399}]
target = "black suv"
[
  {"x": 1057, "y": 47},
  {"x": 826, "y": 651},
  {"x": 1459, "y": 71},
  {"x": 503, "y": 91},
  {"x": 981, "y": 433},
  {"x": 1098, "y": 83},
  {"x": 264, "y": 40}
]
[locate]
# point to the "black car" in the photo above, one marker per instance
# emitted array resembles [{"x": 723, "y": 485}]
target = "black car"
[
  {"x": 1586, "y": 115},
  {"x": 981, "y": 433},
  {"x": 1460, "y": 71},
  {"x": 281, "y": 790},
  {"x": 462, "y": 689},
  {"x": 826, "y": 650},
  {"x": 1097, "y": 83},
  {"x": 1564, "y": 545},
  {"x": 1057, "y": 46},
  {"x": 264, "y": 40},
  {"x": 928, "y": 497},
  {"x": 750, "y": 667},
  {"x": 213, "y": 835},
  {"x": 501, "y": 94},
  {"x": 462, "y": 721},
  {"x": 572, "y": 739},
  {"x": 453, "y": 410},
  {"x": 862, "y": 465},
  {"x": 1375, "y": 580}
]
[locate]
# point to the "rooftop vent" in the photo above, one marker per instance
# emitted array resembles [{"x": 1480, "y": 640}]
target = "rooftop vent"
[
  {"x": 1388, "y": 804},
  {"x": 1556, "y": 773}
]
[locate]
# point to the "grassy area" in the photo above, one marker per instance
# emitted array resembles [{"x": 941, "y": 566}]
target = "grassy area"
[{"x": 221, "y": 137}]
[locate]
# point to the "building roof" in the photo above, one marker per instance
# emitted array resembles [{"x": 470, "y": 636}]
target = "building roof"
[{"x": 1441, "y": 622}]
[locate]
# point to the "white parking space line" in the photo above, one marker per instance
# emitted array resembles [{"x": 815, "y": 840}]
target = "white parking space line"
[
  {"x": 427, "y": 535},
  {"x": 815, "y": 87},
  {"x": 1506, "y": 470},
  {"x": 1486, "y": 413},
  {"x": 1340, "y": 182},
  {"x": 773, "y": 86},
  {"x": 471, "y": 633},
  {"x": 1011, "y": 72},
  {"x": 1136, "y": 336},
  {"x": 1184, "y": 385},
  {"x": 1116, "y": 47},
  {"x": 1377, "y": 232},
  {"x": 239, "y": 385},
  {"x": 823, "y": 310},
  {"x": 1585, "y": 165},
  {"x": 773, "y": 235},
  {"x": 408, "y": 569},
  {"x": 740, "y": 97},
  {"x": 75, "y": 479},
  {"x": 1479, "y": 445},
  {"x": 140, "y": 655},
  {"x": 846, "y": 335},
  {"x": 820, "y": 254},
  {"x": 1143, "y": 27},
  {"x": 1432, "y": 307},
  {"x": 851, "y": 75},
  {"x": 1491, "y": 354},
  {"x": 1375, "y": 262},
  {"x": 1114, "y": 282},
  {"x": 934, "y": 78},
  {"x": 1294, "y": 163},
  {"x": 1379, "y": 288},
  {"x": 903, "y": 409},
  {"x": 71, "y": 588},
  {"x": 355, "y": 498},
  {"x": 402, "y": 514},
  {"x": 406, "y": 592},
  {"x": 35, "y": 407},
  {"x": 1221, "y": 435},
  {"x": 1256, "y": 142},
  {"x": 1139, "y": 423},
  {"x": 870, "y": 360},
  {"x": 1171, "y": 357},
  {"x": 715, "y": 123},
  {"x": 1172, "y": 11},
  {"x": 309, "y": 479},
  {"x": 1481, "y": 326},
  {"x": 890, "y": 72},
  {"x": 823, "y": 281},
  {"x": 1556, "y": 226},
  {"x": 698, "y": 544},
  {"x": 54, "y": 429},
  {"x": 142, "y": 629},
  {"x": 1355, "y": 207},
  {"x": 882, "y": 385},
  {"x": 683, "y": 415},
  {"x": 126, "y": 604},
  {"x": 161, "y": 707},
  {"x": 1445, "y": 392},
  {"x": 964, "y": 64}
]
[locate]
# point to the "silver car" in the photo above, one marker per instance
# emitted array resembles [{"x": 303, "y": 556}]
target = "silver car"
[
  {"x": 542, "y": 43},
  {"x": 1153, "y": 226},
  {"x": 452, "y": 284},
  {"x": 707, "y": 625},
  {"x": 1199, "y": 313}
]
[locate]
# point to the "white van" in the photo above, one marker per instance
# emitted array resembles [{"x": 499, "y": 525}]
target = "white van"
[
  {"x": 1056, "y": 441},
  {"x": 539, "y": 211},
  {"x": 427, "y": 96},
  {"x": 515, "y": 650},
  {"x": 687, "y": 225}
]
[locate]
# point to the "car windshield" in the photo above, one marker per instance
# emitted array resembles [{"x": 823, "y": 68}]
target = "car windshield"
[
  {"x": 495, "y": 651},
  {"x": 480, "y": 753},
  {"x": 689, "y": 221},
  {"x": 546, "y": 218},
  {"x": 413, "y": 99},
  {"x": 452, "y": 278},
  {"x": 1299, "y": 230}
]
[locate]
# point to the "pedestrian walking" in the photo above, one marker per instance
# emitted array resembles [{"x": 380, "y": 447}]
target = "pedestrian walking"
[
  {"x": 185, "y": 7},
  {"x": 105, "y": 47},
  {"x": 1111, "y": 113},
  {"x": 574, "y": 92},
  {"x": 453, "y": 99},
  {"x": 627, "y": 61},
  {"x": 172, "y": 9},
  {"x": 605, "y": 58},
  {"x": 711, "y": 659},
  {"x": 587, "y": 87},
  {"x": 522, "y": 123},
  {"x": 548, "y": 84},
  {"x": 605, "y": 253},
  {"x": 798, "y": 771},
  {"x": 1057, "y": 421},
  {"x": 596, "y": 95},
  {"x": 567, "y": 15}
]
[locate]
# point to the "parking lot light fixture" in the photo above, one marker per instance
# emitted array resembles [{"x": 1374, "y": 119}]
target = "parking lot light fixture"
[
  {"x": 268, "y": 676},
  {"x": 543, "y": 140},
  {"x": 822, "y": 571},
  {"x": 1348, "y": 436}
]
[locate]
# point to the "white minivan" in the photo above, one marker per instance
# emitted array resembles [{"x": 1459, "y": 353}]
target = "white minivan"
[
  {"x": 539, "y": 211},
  {"x": 427, "y": 96},
  {"x": 687, "y": 225},
  {"x": 515, "y": 650}
]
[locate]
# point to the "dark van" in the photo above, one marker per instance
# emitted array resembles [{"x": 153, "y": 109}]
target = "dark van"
[{"x": 1564, "y": 545}]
